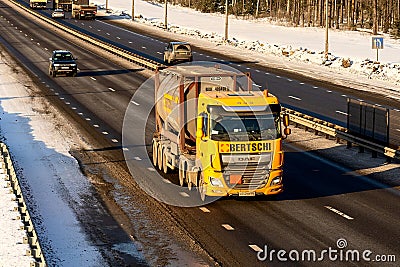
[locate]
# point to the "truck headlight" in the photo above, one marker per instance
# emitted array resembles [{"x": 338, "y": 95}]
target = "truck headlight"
[
  {"x": 56, "y": 65},
  {"x": 276, "y": 180},
  {"x": 216, "y": 182}
]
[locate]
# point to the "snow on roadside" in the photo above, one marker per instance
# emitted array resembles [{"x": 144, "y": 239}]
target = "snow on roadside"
[
  {"x": 49, "y": 176},
  {"x": 351, "y": 51}
]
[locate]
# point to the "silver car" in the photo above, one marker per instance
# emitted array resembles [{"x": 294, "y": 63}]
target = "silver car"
[
  {"x": 58, "y": 13},
  {"x": 177, "y": 51}
]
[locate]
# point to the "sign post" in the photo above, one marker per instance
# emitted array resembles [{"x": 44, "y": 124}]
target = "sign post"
[{"x": 377, "y": 43}]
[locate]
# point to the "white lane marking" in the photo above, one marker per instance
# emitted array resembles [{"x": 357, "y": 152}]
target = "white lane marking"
[
  {"x": 328, "y": 91},
  {"x": 167, "y": 181},
  {"x": 341, "y": 112},
  {"x": 200, "y": 54},
  {"x": 339, "y": 213},
  {"x": 208, "y": 56},
  {"x": 95, "y": 125},
  {"x": 228, "y": 227},
  {"x": 88, "y": 119},
  {"x": 38, "y": 43},
  {"x": 46, "y": 49},
  {"x": 144, "y": 47},
  {"x": 257, "y": 70},
  {"x": 396, "y": 110},
  {"x": 151, "y": 169},
  {"x": 239, "y": 65},
  {"x": 158, "y": 52},
  {"x": 315, "y": 87},
  {"x": 344, "y": 95},
  {"x": 360, "y": 100},
  {"x": 204, "y": 209},
  {"x": 267, "y": 73},
  {"x": 114, "y": 140},
  {"x": 26, "y": 35},
  {"x": 137, "y": 158},
  {"x": 130, "y": 42},
  {"x": 295, "y": 98},
  {"x": 67, "y": 103},
  {"x": 290, "y": 80},
  {"x": 301, "y": 83},
  {"x": 56, "y": 93},
  {"x": 111, "y": 89},
  {"x": 255, "y": 248},
  {"x": 52, "y": 89},
  {"x": 277, "y": 76},
  {"x": 73, "y": 108},
  {"x": 90, "y": 27},
  {"x": 247, "y": 68},
  {"x": 125, "y": 149},
  {"x": 215, "y": 58},
  {"x": 62, "y": 98},
  {"x": 98, "y": 30},
  {"x": 133, "y": 102},
  {"x": 119, "y": 38},
  {"x": 184, "y": 194},
  {"x": 105, "y": 133},
  {"x": 80, "y": 113},
  {"x": 398, "y": 130},
  {"x": 93, "y": 78},
  {"x": 107, "y": 33}
]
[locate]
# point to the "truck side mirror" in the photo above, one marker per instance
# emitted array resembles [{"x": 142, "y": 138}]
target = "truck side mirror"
[
  {"x": 286, "y": 120},
  {"x": 287, "y": 131}
]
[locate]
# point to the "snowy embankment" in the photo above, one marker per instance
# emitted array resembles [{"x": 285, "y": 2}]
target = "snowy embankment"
[{"x": 350, "y": 51}]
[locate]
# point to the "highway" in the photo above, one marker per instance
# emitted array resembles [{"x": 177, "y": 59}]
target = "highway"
[{"x": 322, "y": 201}]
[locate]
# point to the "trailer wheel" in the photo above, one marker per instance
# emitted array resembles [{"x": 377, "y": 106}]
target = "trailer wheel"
[
  {"x": 164, "y": 162},
  {"x": 202, "y": 188},
  {"x": 159, "y": 157},
  {"x": 182, "y": 173},
  {"x": 154, "y": 145}
]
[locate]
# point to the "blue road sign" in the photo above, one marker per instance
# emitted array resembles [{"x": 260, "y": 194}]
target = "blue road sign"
[{"x": 377, "y": 42}]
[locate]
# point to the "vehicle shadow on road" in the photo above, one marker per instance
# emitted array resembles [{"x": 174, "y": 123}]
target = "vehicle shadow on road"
[{"x": 107, "y": 72}]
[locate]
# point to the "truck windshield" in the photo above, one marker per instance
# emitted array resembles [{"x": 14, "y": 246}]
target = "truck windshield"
[{"x": 245, "y": 127}]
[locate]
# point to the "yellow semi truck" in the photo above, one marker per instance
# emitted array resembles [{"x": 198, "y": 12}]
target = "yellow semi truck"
[
  {"x": 223, "y": 137},
  {"x": 38, "y": 4}
]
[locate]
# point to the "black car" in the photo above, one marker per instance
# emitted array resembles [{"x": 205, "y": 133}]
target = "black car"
[{"x": 62, "y": 61}]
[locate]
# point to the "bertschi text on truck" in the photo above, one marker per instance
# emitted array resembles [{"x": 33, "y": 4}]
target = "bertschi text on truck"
[{"x": 223, "y": 136}]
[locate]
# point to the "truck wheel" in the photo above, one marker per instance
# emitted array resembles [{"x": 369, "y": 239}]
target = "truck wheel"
[
  {"x": 182, "y": 173},
  {"x": 159, "y": 157},
  {"x": 164, "y": 162},
  {"x": 154, "y": 145},
  {"x": 202, "y": 188}
]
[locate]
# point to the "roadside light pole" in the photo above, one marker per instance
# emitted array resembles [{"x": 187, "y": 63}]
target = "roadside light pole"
[
  {"x": 165, "y": 16},
  {"x": 106, "y": 5},
  {"x": 133, "y": 9},
  {"x": 326, "y": 29},
  {"x": 226, "y": 20}
]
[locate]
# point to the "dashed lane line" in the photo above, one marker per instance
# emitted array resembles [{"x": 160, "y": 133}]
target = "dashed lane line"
[
  {"x": 93, "y": 78},
  {"x": 228, "y": 227},
  {"x": 135, "y": 103},
  {"x": 111, "y": 89},
  {"x": 114, "y": 140},
  {"x": 184, "y": 194},
  {"x": 255, "y": 248},
  {"x": 338, "y": 212},
  {"x": 341, "y": 112},
  {"x": 204, "y": 209},
  {"x": 294, "y": 97}
]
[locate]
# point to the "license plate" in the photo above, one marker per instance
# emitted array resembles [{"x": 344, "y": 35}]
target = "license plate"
[{"x": 247, "y": 194}]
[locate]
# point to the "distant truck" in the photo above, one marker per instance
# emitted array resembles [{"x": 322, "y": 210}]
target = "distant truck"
[
  {"x": 83, "y": 10},
  {"x": 222, "y": 136},
  {"x": 38, "y": 4}
]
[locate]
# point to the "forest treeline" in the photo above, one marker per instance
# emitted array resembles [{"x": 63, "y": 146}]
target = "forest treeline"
[{"x": 377, "y": 15}]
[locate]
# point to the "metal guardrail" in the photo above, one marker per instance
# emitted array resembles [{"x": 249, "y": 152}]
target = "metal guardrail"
[
  {"x": 340, "y": 133},
  {"x": 130, "y": 56},
  {"x": 31, "y": 237}
]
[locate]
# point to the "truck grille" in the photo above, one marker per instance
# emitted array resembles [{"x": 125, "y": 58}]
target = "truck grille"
[{"x": 254, "y": 175}]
